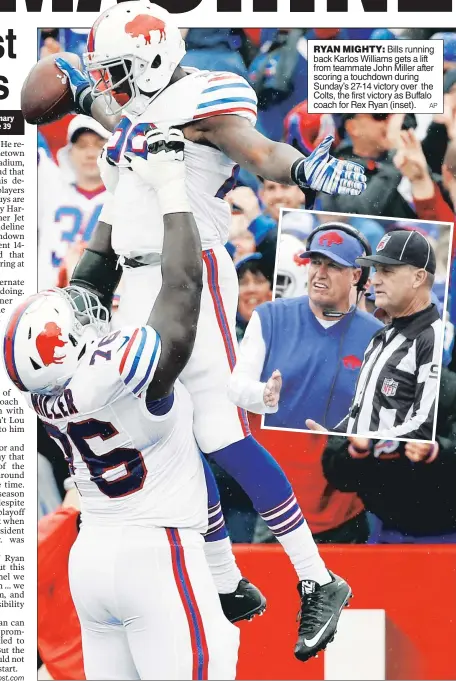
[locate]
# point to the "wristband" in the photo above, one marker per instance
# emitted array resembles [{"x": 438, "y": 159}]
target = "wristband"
[
  {"x": 294, "y": 173},
  {"x": 84, "y": 101}
]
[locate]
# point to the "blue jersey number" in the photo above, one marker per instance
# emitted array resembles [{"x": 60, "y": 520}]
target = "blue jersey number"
[
  {"x": 71, "y": 219},
  {"x": 128, "y": 138},
  {"x": 99, "y": 464}
]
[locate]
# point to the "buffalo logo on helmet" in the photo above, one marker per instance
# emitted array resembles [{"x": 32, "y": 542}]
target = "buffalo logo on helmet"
[
  {"x": 144, "y": 24},
  {"x": 46, "y": 343},
  {"x": 298, "y": 260},
  {"x": 330, "y": 239}
]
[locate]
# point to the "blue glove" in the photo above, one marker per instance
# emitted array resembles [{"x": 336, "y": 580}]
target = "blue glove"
[
  {"x": 324, "y": 173},
  {"x": 80, "y": 86}
]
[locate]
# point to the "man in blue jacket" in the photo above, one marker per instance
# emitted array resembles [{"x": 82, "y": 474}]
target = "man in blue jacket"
[{"x": 308, "y": 350}]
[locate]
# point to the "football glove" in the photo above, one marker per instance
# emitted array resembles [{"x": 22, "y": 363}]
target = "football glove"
[
  {"x": 79, "y": 84},
  {"x": 324, "y": 173},
  {"x": 163, "y": 169}
]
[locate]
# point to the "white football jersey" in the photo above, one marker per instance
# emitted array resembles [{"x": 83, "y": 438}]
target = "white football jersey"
[
  {"x": 66, "y": 214},
  {"x": 136, "y": 219},
  {"x": 130, "y": 466}
]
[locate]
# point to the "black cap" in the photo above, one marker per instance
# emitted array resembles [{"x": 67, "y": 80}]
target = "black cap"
[{"x": 402, "y": 247}]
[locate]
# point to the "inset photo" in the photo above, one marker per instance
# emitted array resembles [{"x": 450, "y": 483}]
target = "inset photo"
[{"x": 352, "y": 341}]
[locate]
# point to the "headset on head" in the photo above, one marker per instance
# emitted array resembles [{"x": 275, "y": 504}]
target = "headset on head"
[{"x": 352, "y": 231}]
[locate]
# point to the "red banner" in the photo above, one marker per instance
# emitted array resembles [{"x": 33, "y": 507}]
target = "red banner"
[{"x": 414, "y": 585}]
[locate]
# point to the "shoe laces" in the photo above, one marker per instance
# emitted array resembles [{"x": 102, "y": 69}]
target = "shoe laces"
[{"x": 311, "y": 611}]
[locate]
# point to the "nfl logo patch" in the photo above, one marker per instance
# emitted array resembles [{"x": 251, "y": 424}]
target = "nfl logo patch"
[
  {"x": 383, "y": 241},
  {"x": 389, "y": 387}
]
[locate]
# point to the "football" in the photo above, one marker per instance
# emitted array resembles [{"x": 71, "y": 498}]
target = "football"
[{"x": 46, "y": 93}]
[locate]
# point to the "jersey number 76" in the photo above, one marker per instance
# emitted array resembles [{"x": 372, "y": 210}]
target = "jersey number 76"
[{"x": 99, "y": 466}]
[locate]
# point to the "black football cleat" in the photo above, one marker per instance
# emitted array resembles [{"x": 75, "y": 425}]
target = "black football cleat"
[
  {"x": 244, "y": 603},
  {"x": 320, "y": 611}
]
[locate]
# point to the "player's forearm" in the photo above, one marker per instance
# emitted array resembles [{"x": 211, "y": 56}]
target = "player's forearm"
[
  {"x": 250, "y": 149},
  {"x": 276, "y": 164},
  {"x": 178, "y": 302}
]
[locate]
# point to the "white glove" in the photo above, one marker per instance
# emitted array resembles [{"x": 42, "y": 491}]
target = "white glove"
[
  {"x": 109, "y": 172},
  {"x": 164, "y": 169}
]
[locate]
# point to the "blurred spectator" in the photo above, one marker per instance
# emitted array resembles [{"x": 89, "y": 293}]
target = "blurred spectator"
[
  {"x": 70, "y": 198},
  {"x": 449, "y": 175},
  {"x": 304, "y": 131},
  {"x": 371, "y": 138},
  {"x": 262, "y": 213},
  {"x": 255, "y": 288},
  {"x": 215, "y": 49},
  {"x": 334, "y": 517},
  {"x": 443, "y": 126},
  {"x": 279, "y": 77},
  {"x": 53, "y": 40},
  {"x": 408, "y": 486},
  {"x": 449, "y": 48},
  {"x": 241, "y": 241},
  {"x": 372, "y": 229},
  {"x": 427, "y": 196},
  {"x": 383, "y": 34},
  {"x": 292, "y": 270},
  {"x": 317, "y": 342},
  {"x": 279, "y": 73}
]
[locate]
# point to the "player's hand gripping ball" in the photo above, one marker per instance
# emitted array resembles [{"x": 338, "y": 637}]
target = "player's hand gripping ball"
[{"x": 46, "y": 94}]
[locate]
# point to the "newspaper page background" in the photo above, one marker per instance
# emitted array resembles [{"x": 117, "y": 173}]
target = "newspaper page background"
[{"x": 18, "y": 278}]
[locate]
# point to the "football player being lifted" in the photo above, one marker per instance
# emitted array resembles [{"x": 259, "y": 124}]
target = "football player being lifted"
[{"x": 133, "y": 55}]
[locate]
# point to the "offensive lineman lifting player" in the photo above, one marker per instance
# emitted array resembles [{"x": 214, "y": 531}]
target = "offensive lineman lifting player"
[
  {"x": 139, "y": 579},
  {"x": 134, "y": 51}
]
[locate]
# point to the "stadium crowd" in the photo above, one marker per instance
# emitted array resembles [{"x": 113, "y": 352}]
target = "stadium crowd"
[{"x": 392, "y": 493}]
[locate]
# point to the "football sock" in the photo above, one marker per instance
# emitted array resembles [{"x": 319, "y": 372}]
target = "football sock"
[
  {"x": 217, "y": 545},
  {"x": 262, "y": 479}
]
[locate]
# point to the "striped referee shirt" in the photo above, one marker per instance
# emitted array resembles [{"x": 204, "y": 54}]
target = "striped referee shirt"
[{"x": 397, "y": 385}]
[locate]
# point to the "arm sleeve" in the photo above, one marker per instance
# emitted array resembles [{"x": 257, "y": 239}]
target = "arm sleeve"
[
  {"x": 434, "y": 208},
  {"x": 227, "y": 93},
  {"x": 421, "y": 419},
  {"x": 341, "y": 470},
  {"x": 245, "y": 388},
  {"x": 137, "y": 357}
]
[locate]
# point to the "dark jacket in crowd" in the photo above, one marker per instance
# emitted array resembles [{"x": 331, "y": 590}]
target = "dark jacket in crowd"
[
  {"x": 416, "y": 499},
  {"x": 381, "y": 198}
]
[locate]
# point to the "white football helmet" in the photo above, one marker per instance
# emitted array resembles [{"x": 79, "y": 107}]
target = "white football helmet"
[
  {"x": 133, "y": 50},
  {"x": 292, "y": 272},
  {"x": 48, "y": 334}
]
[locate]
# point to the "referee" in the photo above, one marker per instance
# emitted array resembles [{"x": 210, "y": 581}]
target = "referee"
[{"x": 397, "y": 385}]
